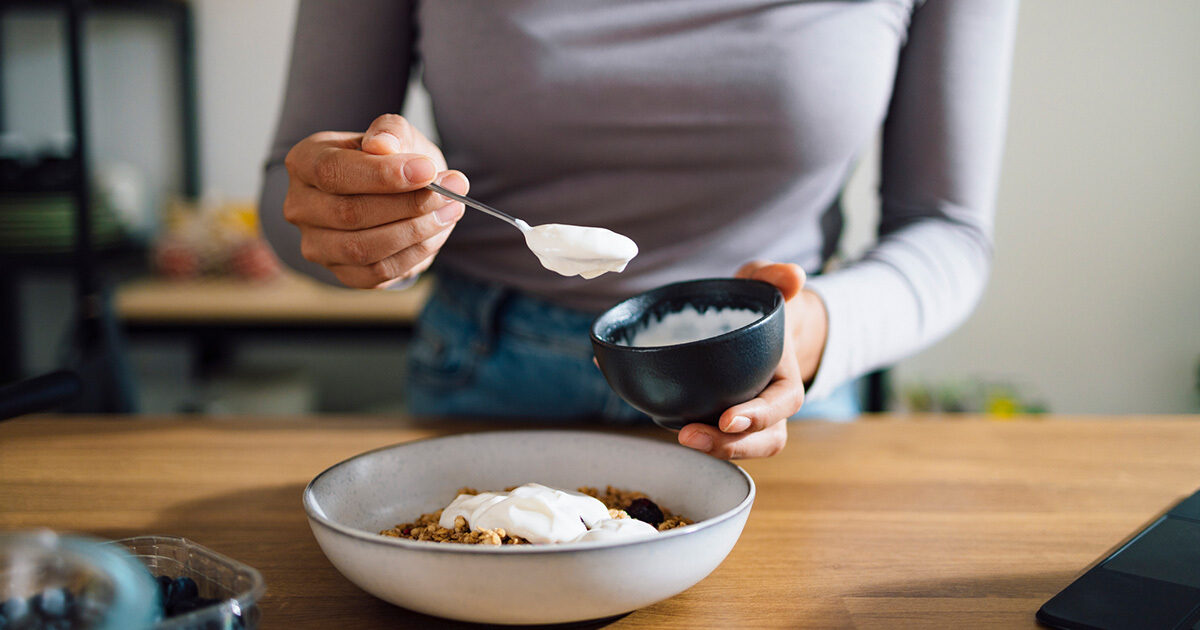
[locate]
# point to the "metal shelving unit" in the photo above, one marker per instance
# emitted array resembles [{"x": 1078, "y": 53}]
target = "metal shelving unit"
[{"x": 96, "y": 338}]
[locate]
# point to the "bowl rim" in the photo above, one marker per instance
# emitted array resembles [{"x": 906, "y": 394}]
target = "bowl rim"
[
  {"x": 314, "y": 516},
  {"x": 779, "y": 304}
]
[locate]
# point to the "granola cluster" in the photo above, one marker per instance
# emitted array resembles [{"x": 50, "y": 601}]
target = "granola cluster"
[
  {"x": 623, "y": 500},
  {"x": 616, "y": 500}
]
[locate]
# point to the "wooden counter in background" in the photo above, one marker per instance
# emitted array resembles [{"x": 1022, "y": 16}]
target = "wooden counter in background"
[
  {"x": 287, "y": 299},
  {"x": 214, "y": 315},
  {"x": 881, "y": 523}
]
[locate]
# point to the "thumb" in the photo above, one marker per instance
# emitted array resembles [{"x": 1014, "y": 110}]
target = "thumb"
[
  {"x": 391, "y": 134},
  {"x": 749, "y": 269},
  {"x": 787, "y": 277},
  {"x": 388, "y": 134}
]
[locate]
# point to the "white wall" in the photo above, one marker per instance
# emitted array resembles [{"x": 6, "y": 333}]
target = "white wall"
[
  {"x": 242, "y": 55},
  {"x": 1094, "y": 303}
]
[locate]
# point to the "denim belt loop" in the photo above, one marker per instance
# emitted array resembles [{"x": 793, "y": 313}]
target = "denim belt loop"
[
  {"x": 487, "y": 308},
  {"x": 480, "y": 302}
]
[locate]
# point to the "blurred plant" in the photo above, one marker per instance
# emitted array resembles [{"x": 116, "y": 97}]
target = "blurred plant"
[
  {"x": 917, "y": 398},
  {"x": 998, "y": 399}
]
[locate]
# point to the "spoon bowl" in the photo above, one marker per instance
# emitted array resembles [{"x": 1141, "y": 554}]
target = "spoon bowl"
[{"x": 570, "y": 250}]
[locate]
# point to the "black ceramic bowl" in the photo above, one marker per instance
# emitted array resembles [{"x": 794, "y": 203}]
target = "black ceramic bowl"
[{"x": 695, "y": 381}]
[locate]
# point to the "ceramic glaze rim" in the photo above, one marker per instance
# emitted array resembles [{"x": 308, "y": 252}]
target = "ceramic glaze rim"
[{"x": 317, "y": 515}]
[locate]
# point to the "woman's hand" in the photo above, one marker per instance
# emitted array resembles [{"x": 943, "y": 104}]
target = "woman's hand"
[
  {"x": 758, "y": 427},
  {"x": 360, "y": 201}
]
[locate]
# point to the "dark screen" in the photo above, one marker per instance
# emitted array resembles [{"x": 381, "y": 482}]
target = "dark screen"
[{"x": 1168, "y": 551}]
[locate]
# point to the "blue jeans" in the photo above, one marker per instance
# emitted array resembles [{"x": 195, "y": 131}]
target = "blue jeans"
[{"x": 484, "y": 350}]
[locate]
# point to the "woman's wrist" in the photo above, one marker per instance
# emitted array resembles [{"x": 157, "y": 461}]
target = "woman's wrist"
[{"x": 809, "y": 332}]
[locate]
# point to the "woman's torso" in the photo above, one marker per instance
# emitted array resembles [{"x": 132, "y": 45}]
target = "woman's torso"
[{"x": 710, "y": 132}]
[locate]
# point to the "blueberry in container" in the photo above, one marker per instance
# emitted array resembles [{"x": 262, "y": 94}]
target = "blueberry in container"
[{"x": 198, "y": 588}]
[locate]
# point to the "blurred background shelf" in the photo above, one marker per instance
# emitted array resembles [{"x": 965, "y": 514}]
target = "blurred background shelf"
[
  {"x": 47, "y": 168},
  {"x": 216, "y": 318},
  {"x": 177, "y": 16}
]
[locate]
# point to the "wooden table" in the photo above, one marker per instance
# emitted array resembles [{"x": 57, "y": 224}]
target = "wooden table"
[{"x": 886, "y": 522}]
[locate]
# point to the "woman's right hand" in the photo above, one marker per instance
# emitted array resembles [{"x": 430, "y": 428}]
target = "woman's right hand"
[{"x": 361, "y": 204}]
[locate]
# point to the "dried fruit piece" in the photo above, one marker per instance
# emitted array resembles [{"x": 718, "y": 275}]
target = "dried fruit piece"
[{"x": 645, "y": 510}]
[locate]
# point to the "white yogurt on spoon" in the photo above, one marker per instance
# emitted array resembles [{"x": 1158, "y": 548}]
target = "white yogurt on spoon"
[
  {"x": 571, "y": 250},
  {"x": 575, "y": 250}
]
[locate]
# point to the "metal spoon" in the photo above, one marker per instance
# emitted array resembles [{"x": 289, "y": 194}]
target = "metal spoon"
[{"x": 483, "y": 207}]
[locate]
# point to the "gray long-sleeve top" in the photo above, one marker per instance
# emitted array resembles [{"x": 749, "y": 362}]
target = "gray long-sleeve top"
[{"x": 712, "y": 132}]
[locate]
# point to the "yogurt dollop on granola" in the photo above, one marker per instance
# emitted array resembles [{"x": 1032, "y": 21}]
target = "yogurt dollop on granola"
[
  {"x": 617, "y": 529},
  {"x": 541, "y": 514}
]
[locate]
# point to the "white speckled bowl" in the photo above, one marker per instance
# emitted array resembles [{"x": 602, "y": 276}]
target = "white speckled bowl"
[{"x": 535, "y": 584}]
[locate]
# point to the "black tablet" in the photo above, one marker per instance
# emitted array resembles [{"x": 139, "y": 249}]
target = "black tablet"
[{"x": 1152, "y": 581}]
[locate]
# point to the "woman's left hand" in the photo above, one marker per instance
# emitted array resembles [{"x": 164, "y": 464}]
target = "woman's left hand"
[{"x": 758, "y": 427}]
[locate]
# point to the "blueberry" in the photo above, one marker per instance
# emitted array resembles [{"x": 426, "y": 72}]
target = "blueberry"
[
  {"x": 14, "y": 609},
  {"x": 185, "y": 588},
  {"x": 179, "y": 591},
  {"x": 52, "y": 603},
  {"x": 645, "y": 510}
]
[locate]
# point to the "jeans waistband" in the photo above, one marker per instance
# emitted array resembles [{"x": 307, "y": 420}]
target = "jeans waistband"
[{"x": 493, "y": 307}]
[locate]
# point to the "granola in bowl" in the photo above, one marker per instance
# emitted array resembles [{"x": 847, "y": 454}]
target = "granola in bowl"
[{"x": 536, "y": 514}]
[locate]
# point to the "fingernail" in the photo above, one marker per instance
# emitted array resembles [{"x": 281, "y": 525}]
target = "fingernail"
[
  {"x": 738, "y": 424},
  {"x": 448, "y": 213},
  {"x": 419, "y": 170},
  {"x": 454, "y": 182},
  {"x": 392, "y": 142},
  {"x": 699, "y": 441}
]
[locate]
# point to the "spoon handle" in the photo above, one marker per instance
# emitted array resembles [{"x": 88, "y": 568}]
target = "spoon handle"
[{"x": 517, "y": 223}]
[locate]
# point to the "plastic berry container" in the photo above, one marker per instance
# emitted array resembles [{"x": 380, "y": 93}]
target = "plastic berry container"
[
  {"x": 238, "y": 586},
  {"x": 56, "y": 580}
]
